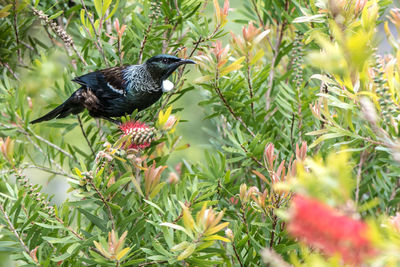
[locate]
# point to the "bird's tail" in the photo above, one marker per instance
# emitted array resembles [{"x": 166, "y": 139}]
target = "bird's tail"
[{"x": 70, "y": 106}]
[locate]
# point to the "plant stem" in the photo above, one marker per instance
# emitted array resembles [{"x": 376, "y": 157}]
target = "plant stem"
[
  {"x": 12, "y": 229},
  {"x": 276, "y": 53},
  {"x": 85, "y": 136},
  {"x": 237, "y": 254},
  {"x": 97, "y": 34},
  {"x": 233, "y": 113},
  {"x": 90, "y": 180}
]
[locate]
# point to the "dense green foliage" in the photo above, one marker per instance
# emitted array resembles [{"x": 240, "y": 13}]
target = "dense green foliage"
[{"x": 298, "y": 99}]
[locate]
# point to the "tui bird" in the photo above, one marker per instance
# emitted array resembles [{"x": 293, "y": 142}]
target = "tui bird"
[{"x": 118, "y": 91}]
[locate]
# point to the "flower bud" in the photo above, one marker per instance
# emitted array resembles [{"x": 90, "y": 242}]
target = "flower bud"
[
  {"x": 229, "y": 234},
  {"x": 173, "y": 178}
]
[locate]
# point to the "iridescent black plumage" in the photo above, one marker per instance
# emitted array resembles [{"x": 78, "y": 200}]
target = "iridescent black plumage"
[{"x": 118, "y": 91}]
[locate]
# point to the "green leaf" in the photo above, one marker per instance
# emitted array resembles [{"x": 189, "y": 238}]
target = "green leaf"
[
  {"x": 94, "y": 219},
  {"x": 56, "y": 15},
  {"x": 116, "y": 185},
  {"x": 154, "y": 205}
]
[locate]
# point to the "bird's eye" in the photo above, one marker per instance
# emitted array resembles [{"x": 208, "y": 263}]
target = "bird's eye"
[{"x": 165, "y": 60}]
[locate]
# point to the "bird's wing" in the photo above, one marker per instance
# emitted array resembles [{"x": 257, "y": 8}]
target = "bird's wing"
[{"x": 106, "y": 83}]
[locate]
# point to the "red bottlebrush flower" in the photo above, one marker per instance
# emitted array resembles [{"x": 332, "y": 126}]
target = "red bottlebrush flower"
[
  {"x": 325, "y": 228},
  {"x": 142, "y": 135}
]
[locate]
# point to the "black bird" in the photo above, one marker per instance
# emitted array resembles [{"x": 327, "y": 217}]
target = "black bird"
[{"x": 118, "y": 91}]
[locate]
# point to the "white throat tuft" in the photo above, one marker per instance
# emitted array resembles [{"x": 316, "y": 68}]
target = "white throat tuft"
[{"x": 167, "y": 86}]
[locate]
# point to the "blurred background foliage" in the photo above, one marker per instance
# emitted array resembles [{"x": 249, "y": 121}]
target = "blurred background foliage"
[{"x": 279, "y": 148}]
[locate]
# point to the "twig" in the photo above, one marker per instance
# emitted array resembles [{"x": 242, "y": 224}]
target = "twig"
[
  {"x": 89, "y": 179},
  {"x": 237, "y": 254},
  {"x": 246, "y": 225},
  {"x": 258, "y": 13},
  {"x": 41, "y": 151},
  {"x": 11, "y": 227},
  {"x": 363, "y": 157},
  {"x": 272, "y": 237},
  {"x": 276, "y": 53},
  {"x": 60, "y": 32},
  {"x": 152, "y": 262},
  {"x": 5, "y": 64},
  {"x": 50, "y": 171},
  {"x": 249, "y": 84},
  {"x": 393, "y": 194},
  {"x": 252, "y": 157},
  {"x": 84, "y": 135},
  {"x": 234, "y": 115},
  {"x": 143, "y": 43},
  {"x": 69, "y": 228},
  {"x": 31, "y": 133},
  {"x": 97, "y": 34},
  {"x": 50, "y": 144},
  {"x": 15, "y": 25}
]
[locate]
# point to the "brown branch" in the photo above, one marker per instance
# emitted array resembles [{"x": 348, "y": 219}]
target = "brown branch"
[
  {"x": 274, "y": 58},
  {"x": 49, "y": 171},
  {"x": 363, "y": 157},
  {"x": 272, "y": 236},
  {"x": 143, "y": 43},
  {"x": 258, "y": 13},
  {"x": 85, "y": 136},
  {"x": 249, "y": 84},
  {"x": 12, "y": 229},
  {"x": 152, "y": 262},
  {"x": 60, "y": 32},
  {"x": 252, "y": 157},
  {"x": 97, "y": 34},
  {"x": 233, "y": 113},
  {"x": 48, "y": 143},
  {"x": 15, "y": 26},
  {"x": 243, "y": 215},
  {"x": 41, "y": 151},
  {"x": 31, "y": 133},
  {"x": 90, "y": 180},
  {"x": 236, "y": 254},
  {"x": 5, "y": 64}
]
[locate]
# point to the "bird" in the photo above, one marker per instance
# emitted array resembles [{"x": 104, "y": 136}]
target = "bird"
[{"x": 118, "y": 91}]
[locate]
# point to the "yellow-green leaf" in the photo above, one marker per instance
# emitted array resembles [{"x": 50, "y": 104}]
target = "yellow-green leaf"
[
  {"x": 216, "y": 237},
  {"x": 122, "y": 253},
  {"x": 216, "y": 229},
  {"x": 180, "y": 246},
  {"x": 78, "y": 172},
  {"x": 98, "y": 6},
  {"x": 232, "y": 67},
  {"x": 188, "y": 221},
  {"x": 137, "y": 186},
  {"x": 203, "y": 79},
  {"x": 4, "y": 11},
  {"x": 187, "y": 252},
  {"x": 217, "y": 10},
  {"x": 114, "y": 10},
  {"x": 156, "y": 190},
  {"x": 257, "y": 57},
  {"x": 106, "y": 5}
]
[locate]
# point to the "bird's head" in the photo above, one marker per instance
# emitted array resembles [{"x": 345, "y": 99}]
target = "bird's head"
[{"x": 161, "y": 66}]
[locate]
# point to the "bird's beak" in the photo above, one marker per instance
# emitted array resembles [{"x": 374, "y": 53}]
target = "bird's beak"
[{"x": 186, "y": 61}]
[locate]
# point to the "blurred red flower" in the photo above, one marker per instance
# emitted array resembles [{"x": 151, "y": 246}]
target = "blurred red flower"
[{"x": 325, "y": 228}]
